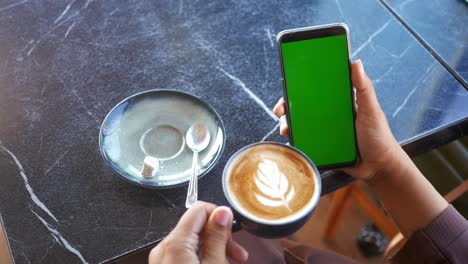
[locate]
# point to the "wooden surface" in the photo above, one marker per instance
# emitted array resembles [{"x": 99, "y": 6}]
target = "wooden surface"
[
  {"x": 356, "y": 193},
  {"x": 345, "y": 242},
  {"x": 337, "y": 211},
  {"x": 4, "y": 252},
  {"x": 377, "y": 215},
  {"x": 457, "y": 192}
]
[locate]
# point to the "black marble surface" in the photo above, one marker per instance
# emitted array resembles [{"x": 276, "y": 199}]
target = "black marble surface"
[
  {"x": 65, "y": 64},
  {"x": 443, "y": 25}
]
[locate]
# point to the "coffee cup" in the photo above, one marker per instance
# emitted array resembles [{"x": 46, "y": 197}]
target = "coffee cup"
[{"x": 272, "y": 189}]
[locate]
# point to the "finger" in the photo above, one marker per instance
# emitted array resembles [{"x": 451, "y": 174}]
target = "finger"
[
  {"x": 185, "y": 235},
  {"x": 216, "y": 235},
  {"x": 279, "y": 108},
  {"x": 194, "y": 219},
  {"x": 365, "y": 93},
  {"x": 236, "y": 251},
  {"x": 155, "y": 255},
  {"x": 284, "y": 129}
]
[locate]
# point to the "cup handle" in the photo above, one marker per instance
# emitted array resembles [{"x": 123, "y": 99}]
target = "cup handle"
[{"x": 235, "y": 226}]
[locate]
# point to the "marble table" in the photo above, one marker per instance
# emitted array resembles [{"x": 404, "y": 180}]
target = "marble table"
[
  {"x": 441, "y": 25},
  {"x": 65, "y": 64}
]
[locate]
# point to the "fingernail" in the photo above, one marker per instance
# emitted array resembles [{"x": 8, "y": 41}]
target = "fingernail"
[
  {"x": 361, "y": 66},
  {"x": 222, "y": 216},
  {"x": 282, "y": 127},
  {"x": 245, "y": 254}
]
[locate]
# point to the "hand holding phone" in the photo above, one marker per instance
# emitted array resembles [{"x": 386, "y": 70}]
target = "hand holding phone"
[{"x": 378, "y": 148}]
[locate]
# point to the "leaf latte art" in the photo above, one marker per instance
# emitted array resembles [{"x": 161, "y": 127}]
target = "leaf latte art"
[
  {"x": 271, "y": 182},
  {"x": 273, "y": 186}
]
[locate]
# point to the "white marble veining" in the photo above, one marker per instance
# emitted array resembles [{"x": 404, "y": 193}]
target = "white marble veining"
[
  {"x": 404, "y": 3},
  {"x": 26, "y": 257},
  {"x": 30, "y": 190},
  {"x": 113, "y": 11},
  {"x": 93, "y": 116},
  {"x": 270, "y": 36},
  {"x": 371, "y": 37},
  {"x": 69, "y": 29},
  {"x": 250, "y": 93},
  {"x": 418, "y": 83},
  {"x": 167, "y": 200},
  {"x": 441, "y": 25},
  {"x": 59, "y": 238},
  {"x": 340, "y": 9},
  {"x": 395, "y": 63},
  {"x": 57, "y": 161},
  {"x": 13, "y": 5},
  {"x": 64, "y": 12},
  {"x": 271, "y": 132},
  {"x": 87, "y": 3},
  {"x": 266, "y": 78},
  {"x": 43, "y": 37}
]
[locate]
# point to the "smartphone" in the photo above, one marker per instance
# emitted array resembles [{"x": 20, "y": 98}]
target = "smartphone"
[{"x": 317, "y": 88}]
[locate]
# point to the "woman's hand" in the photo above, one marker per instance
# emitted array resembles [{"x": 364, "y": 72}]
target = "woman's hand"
[
  {"x": 406, "y": 194},
  {"x": 377, "y": 146},
  {"x": 203, "y": 235}
]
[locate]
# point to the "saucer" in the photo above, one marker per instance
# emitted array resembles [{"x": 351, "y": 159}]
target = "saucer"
[{"x": 154, "y": 124}]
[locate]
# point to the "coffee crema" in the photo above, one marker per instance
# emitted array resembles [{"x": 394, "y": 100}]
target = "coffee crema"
[{"x": 271, "y": 182}]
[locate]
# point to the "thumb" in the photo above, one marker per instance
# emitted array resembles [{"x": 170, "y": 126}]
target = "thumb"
[
  {"x": 365, "y": 93},
  {"x": 216, "y": 235}
]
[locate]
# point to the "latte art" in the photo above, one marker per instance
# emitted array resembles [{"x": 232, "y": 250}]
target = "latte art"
[
  {"x": 273, "y": 186},
  {"x": 271, "y": 182}
]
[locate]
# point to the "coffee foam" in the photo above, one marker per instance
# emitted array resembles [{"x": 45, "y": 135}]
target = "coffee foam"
[{"x": 271, "y": 183}]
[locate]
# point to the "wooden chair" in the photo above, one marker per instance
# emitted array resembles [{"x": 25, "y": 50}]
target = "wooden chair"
[
  {"x": 432, "y": 163},
  {"x": 342, "y": 200},
  {"x": 340, "y": 204}
]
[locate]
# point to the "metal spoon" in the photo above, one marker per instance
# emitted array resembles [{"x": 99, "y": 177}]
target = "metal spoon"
[{"x": 197, "y": 138}]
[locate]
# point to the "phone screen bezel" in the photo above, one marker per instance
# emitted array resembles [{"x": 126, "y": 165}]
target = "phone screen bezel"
[{"x": 313, "y": 33}]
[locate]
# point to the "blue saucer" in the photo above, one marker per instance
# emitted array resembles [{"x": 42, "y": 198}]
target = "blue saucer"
[{"x": 153, "y": 124}]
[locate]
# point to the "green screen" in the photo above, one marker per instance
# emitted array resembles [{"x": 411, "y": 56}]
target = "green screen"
[{"x": 319, "y": 98}]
